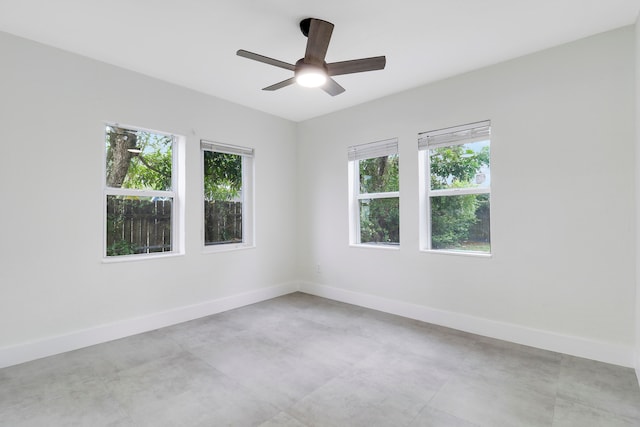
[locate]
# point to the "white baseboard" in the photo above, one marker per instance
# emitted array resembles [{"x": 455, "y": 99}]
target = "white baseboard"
[
  {"x": 576, "y": 346},
  {"x": 20, "y": 353},
  {"x": 567, "y": 344}
]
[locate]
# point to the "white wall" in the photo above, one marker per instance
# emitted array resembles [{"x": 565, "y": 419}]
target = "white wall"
[
  {"x": 53, "y": 282},
  {"x": 562, "y": 273}
]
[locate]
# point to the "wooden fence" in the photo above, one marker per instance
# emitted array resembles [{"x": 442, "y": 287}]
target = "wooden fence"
[
  {"x": 136, "y": 226},
  {"x": 222, "y": 222}
]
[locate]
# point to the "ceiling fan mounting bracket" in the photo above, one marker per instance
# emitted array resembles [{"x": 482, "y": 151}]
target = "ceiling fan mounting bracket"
[{"x": 304, "y": 26}]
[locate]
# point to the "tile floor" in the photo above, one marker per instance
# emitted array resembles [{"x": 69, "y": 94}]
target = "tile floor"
[{"x": 300, "y": 360}]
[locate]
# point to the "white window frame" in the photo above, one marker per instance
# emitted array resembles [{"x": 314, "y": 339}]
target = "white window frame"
[
  {"x": 447, "y": 137},
  {"x": 355, "y": 154},
  {"x": 176, "y": 191},
  {"x": 248, "y": 199}
]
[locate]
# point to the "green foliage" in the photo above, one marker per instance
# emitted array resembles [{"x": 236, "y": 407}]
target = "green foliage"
[
  {"x": 379, "y": 218},
  {"x": 379, "y": 221},
  {"x": 121, "y": 247},
  {"x": 151, "y": 169},
  {"x": 453, "y": 217},
  {"x": 478, "y": 232},
  {"x": 222, "y": 176},
  {"x": 455, "y": 165},
  {"x": 379, "y": 175}
]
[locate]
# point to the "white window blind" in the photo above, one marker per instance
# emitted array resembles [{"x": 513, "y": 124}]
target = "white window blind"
[
  {"x": 227, "y": 149},
  {"x": 471, "y": 132},
  {"x": 373, "y": 149}
]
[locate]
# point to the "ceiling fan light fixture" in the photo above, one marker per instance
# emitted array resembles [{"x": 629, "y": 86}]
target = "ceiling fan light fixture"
[{"x": 311, "y": 76}]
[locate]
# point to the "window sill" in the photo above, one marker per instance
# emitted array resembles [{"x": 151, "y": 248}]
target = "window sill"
[
  {"x": 375, "y": 246},
  {"x": 458, "y": 253},
  {"x": 139, "y": 257},
  {"x": 229, "y": 247}
]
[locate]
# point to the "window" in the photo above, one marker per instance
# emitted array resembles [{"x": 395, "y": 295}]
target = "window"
[
  {"x": 228, "y": 198},
  {"x": 455, "y": 180},
  {"x": 374, "y": 193},
  {"x": 140, "y": 192}
]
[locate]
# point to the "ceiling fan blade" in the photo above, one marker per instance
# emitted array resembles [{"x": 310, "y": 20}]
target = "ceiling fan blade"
[
  {"x": 332, "y": 87},
  {"x": 265, "y": 59},
  {"x": 318, "y": 41},
  {"x": 282, "y": 84},
  {"x": 357, "y": 65}
]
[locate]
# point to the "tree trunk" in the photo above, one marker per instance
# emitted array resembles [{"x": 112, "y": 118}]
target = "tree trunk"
[{"x": 118, "y": 156}]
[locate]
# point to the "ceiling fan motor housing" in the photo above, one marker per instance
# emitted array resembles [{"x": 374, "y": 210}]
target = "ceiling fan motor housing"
[{"x": 302, "y": 66}]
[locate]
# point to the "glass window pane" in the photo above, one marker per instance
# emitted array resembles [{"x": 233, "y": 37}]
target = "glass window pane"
[
  {"x": 461, "y": 223},
  {"x": 138, "y": 225},
  {"x": 380, "y": 221},
  {"x": 379, "y": 175},
  {"x": 460, "y": 166},
  {"x": 222, "y": 198},
  {"x": 137, "y": 159}
]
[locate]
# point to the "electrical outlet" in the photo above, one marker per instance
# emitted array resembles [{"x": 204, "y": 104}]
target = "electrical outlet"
[{"x": 318, "y": 269}]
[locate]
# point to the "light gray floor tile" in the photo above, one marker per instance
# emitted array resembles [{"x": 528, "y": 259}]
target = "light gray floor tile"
[
  {"x": 312, "y": 340},
  {"x": 339, "y": 316},
  {"x": 46, "y": 379},
  {"x": 282, "y": 420},
  {"x": 261, "y": 314},
  {"x": 430, "y": 417},
  {"x": 129, "y": 352},
  {"x": 301, "y": 360},
  {"x": 494, "y": 402},
  {"x": 276, "y": 374},
  {"x": 404, "y": 373},
  {"x": 387, "y": 388},
  {"x": 186, "y": 391},
  {"x": 532, "y": 368},
  {"x": 416, "y": 337},
  {"x": 210, "y": 329},
  {"x": 355, "y": 402},
  {"x": 600, "y": 385},
  {"x": 83, "y": 403},
  {"x": 571, "y": 414}
]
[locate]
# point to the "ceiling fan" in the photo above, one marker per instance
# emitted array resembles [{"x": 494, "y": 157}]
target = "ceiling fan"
[{"x": 313, "y": 70}]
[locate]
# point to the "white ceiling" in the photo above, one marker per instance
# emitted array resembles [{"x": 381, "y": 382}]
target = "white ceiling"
[{"x": 193, "y": 42}]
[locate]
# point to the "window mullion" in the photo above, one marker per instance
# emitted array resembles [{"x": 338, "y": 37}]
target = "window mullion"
[
  {"x": 459, "y": 191},
  {"x": 387, "y": 195},
  {"x": 138, "y": 193}
]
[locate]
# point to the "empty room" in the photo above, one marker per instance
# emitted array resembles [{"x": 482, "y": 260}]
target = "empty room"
[{"x": 342, "y": 213}]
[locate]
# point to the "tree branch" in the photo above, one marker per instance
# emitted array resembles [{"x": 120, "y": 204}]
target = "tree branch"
[{"x": 144, "y": 162}]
